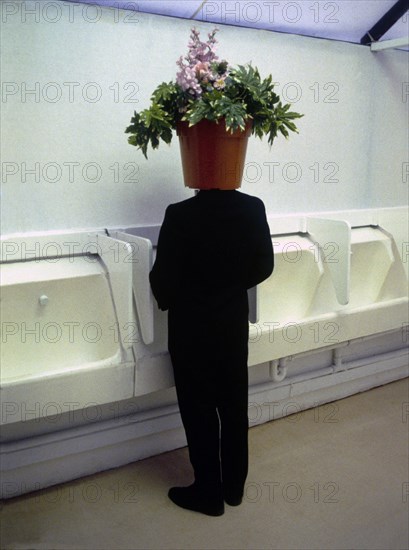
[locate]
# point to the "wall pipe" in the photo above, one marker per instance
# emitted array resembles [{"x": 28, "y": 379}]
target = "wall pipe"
[{"x": 278, "y": 369}]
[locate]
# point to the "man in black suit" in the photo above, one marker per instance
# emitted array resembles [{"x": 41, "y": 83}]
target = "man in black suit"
[{"x": 211, "y": 249}]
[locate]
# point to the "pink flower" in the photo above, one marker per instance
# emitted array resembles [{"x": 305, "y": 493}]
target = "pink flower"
[{"x": 195, "y": 67}]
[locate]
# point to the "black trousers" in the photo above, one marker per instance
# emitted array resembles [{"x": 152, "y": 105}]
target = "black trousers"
[{"x": 209, "y": 358}]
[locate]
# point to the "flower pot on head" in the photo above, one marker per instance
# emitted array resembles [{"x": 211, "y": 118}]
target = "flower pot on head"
[
  {"x": 207, "y": 89},
  {"x": 212, "y": 157}
]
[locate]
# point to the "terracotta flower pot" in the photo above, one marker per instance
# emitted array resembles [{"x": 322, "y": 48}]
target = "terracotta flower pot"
[{"x": 211, "y": 157}]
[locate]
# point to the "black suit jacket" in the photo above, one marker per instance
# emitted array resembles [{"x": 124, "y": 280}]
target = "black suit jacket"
[{"x": 211, "y": 249}]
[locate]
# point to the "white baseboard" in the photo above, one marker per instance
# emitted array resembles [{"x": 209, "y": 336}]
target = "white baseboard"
[{"x": 45, "y": 460}]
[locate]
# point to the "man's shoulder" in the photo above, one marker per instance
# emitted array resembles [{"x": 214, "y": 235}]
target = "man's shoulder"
[
  {"x": 176, "y": 207},
  {"x": 250, "y": 200},
  {"x": 191, "y": 204}
]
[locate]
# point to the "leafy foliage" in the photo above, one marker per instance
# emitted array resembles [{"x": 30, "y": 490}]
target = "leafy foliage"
[{"x": 241, "y": 95}]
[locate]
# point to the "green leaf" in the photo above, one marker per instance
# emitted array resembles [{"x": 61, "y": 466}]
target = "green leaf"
[{"x": 245, "y": 96}]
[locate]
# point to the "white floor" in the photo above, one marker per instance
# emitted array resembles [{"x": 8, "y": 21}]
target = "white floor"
[{"x": 334, "y": 477}]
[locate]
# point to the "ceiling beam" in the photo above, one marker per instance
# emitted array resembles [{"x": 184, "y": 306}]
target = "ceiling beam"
[
  {"x": 385, "y": 22},
  {"x": 198, "y": 9}
]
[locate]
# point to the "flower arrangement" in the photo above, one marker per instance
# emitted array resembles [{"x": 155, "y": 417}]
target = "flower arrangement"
[
  {"x": 207, "y": 88},
  {"x": 201, "y": 71}
]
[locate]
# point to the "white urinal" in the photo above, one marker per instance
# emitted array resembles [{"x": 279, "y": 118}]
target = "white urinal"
[
  {"x": 377, "y": 274},
  {"x": 153, "y": 371},
  {"x": 287, "y": 295},
  {"x": 66, "y": 324},
  {"x": 333, "y": 282}
]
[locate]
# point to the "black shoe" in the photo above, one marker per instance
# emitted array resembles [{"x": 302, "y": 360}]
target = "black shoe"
[
  {"x": 191, "y": 498},
  {"x": 233, "y": 500}
]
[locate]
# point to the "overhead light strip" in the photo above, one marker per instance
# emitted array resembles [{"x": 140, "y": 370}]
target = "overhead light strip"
[{"x": 388, "y": 44}]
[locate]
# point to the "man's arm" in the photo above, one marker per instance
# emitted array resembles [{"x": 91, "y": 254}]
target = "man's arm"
[
  {"x": 162, "y": 275},
  {"x": 262, "y": 264}
]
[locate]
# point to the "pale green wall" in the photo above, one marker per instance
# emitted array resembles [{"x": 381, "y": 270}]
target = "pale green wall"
[{"x": 363, "y": 133}]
